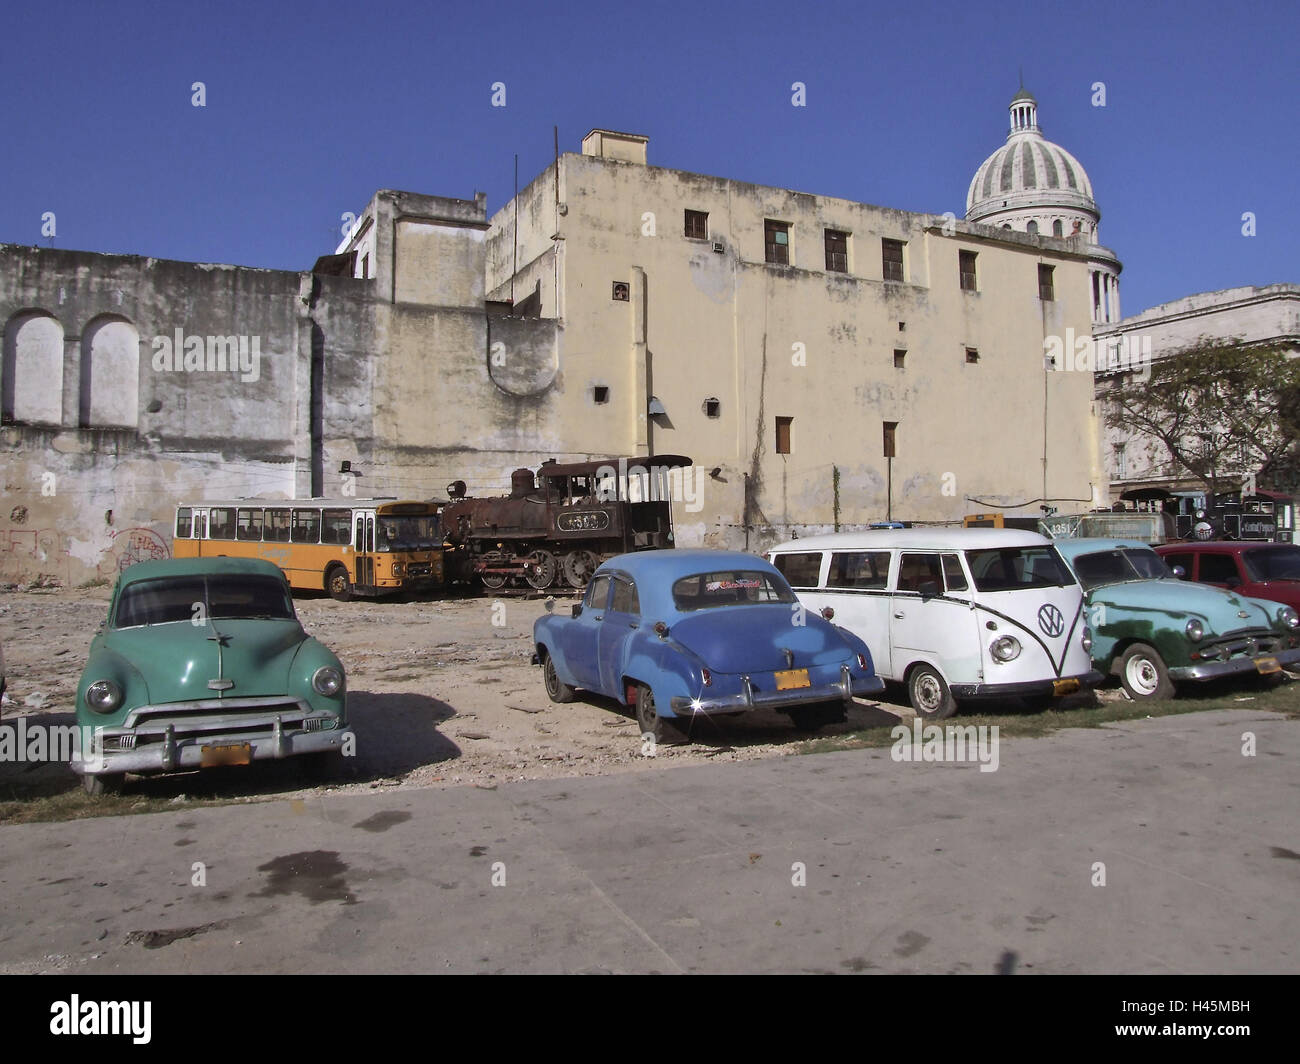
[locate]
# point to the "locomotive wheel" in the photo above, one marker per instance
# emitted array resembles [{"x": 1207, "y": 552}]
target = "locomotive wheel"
[
  {"x": 493, "y": 580},
  {"x": 578, "y": 567},
  {"x": 540, "y": 569}
]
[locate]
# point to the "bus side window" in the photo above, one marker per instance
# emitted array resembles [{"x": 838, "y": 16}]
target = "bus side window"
[
  {"x": 360, "y": 540},
  {"x": 184, "y": 523},
  {"x": 306, "y": 526}
]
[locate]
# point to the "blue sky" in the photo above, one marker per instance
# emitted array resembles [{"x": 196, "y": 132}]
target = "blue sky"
[{"x": 311, "y": 107}]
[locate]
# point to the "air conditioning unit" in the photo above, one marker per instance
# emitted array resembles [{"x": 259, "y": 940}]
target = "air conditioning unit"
[{"x": 719, "y": 247}]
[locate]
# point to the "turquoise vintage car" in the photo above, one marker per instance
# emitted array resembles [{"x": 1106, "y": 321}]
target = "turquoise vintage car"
[
  {"x": 203, "y": 662},
  {"x": 1153, "y": 630}
]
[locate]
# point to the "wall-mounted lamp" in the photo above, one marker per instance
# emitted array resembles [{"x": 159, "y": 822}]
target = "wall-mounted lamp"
[
  {"x": 715, "y": 472},
  {"x": 656, "y": 408},
  {"x": 346, "y": 468}
]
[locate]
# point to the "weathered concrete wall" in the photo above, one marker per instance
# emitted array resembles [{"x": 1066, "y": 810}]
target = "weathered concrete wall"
[
  {"x": 174, "y": 381},
  {"x": 814, "y": 345}
]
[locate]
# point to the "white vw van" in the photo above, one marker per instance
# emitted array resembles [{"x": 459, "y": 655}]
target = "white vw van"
[{"x": 953, "y": 613}]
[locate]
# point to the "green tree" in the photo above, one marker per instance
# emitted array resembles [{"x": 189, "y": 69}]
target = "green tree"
[{"x": 1222, "y": 412}]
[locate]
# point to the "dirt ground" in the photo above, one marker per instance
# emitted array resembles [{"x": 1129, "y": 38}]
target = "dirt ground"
[{"x": 441, "y": 693}]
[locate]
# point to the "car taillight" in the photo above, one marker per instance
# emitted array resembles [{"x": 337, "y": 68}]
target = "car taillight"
[
  {"x": 707, "y": 677},
  {"x": 862, "y": 662}
]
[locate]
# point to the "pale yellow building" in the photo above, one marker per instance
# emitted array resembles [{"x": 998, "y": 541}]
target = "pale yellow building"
[{"x": 783, "y": 339}]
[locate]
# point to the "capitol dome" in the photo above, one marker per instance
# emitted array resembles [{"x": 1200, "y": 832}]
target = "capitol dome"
[{"x": 1032, "y": 185}]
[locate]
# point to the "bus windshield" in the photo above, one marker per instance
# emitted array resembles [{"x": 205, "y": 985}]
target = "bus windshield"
[{"x": 408, "y": 533}]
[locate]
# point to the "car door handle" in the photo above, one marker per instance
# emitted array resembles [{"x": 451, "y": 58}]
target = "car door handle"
[
  {"x": 899, "y": 614},
  {"x": 633, "y": 624},
  {"x": 597, "y": 617}
]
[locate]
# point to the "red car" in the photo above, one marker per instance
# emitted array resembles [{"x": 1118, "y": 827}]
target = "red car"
[{"x": 1260, "y": 570}]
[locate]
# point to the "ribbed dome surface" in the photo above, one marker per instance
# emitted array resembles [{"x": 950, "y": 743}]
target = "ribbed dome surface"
[{"x": 1026, "y": 163}]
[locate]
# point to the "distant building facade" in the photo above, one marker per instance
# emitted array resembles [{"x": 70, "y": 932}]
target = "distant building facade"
[
  {"x": 826, "y": 363},
  {"x": 1247, "y": 317}
]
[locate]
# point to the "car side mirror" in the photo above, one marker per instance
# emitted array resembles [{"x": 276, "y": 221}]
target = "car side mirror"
[
  {"x": 577, "y": 609},
  {"x": 928, "y": 589},
  {"x": 1179, "y": 572}
]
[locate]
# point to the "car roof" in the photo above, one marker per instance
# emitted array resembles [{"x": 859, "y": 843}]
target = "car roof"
[
  {"x": 1072, "y": 548},
  {"x": 1221, "y": 547},
  {"x": 917, "y": 539},
  {"x": 655, "y": 571},
  {"x": 199, "y": 567}
]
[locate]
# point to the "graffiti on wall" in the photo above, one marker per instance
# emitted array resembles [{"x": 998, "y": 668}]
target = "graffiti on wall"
[{"x": 45, "y": 553}]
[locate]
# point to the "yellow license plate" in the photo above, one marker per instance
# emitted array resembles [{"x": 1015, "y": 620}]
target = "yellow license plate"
[
  {"x": 1064, "y": 687},
  {"x": 1268, "y": 665},
  {"x": 226, "y": 754},
  {"x": 789, "y": 679}
]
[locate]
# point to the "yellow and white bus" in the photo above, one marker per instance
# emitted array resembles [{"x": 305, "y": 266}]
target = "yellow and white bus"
[{"x": 344, "y": 546}]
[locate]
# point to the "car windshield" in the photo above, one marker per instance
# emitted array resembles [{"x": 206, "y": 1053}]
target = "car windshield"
[
  {"x": 1017, "y": 568},
  {"x": 408, "y": 533},
  {"x": 198, "y": 599},
  {"x": 1273, "y": 563},
  {"x": 1117, "y": 566},
  {"x": 729, "y": 587}
]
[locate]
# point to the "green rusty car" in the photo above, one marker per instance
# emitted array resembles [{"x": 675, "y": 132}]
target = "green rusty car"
[
  {"x": 203, "y": 662},
  {"x": 1152, "y": 630}
]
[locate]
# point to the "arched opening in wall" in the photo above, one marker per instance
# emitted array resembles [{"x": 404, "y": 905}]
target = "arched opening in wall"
[
  {"x": 110, "y": 374},
  {"x": 1032, "y": 229},
  {"x": 31, "y": 371},
  {"x": 1057, "y": 228}
]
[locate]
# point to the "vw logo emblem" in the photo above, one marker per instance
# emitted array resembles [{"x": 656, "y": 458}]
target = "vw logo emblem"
[{"x": 1051, "y": 620}]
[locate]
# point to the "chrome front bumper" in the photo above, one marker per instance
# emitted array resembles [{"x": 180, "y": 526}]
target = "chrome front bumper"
[
  {"x": 1212, "y": 670},
  {"x": 158, "y": 748},
  {"x": 749, "y": 699}
]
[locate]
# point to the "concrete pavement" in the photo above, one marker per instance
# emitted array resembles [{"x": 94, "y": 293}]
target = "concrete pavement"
[{"x": 907, "y": 868}]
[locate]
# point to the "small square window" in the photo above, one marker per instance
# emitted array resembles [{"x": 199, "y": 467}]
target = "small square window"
[
  {"x": 902, "y": 326},
  {"x": 697, "y": 225},
  {"x": 712, "y": 408},
  {"x": 784, "y": 426},
  {"x": 972, "y": 355},
  {"x": 600, "y": 394},
  {"x": 899, "y": 357},
  {"x": 776, "y": 242},
  {"x": 622, "y": 292},
  {"x": 837, "y": 251}
]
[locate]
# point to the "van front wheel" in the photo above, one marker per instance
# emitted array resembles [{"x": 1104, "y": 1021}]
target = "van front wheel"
[{"x": 928, "y": 692}]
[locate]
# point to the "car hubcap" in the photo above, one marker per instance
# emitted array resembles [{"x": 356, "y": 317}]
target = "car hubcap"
[
  {"x": 928, "y": 693},
  {"x": 1142, "y": 676}
]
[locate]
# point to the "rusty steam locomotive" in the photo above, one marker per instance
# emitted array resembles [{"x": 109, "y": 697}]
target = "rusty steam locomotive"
[{"x": 556, "y": 528}]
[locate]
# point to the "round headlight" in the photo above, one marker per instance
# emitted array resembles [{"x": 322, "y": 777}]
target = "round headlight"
[
  {"x": 103, "y": 696},
  {"x": 1005, "y": 648},
  {"x": 328, "y": 680},
  {"x": 1195, "y": 630},
  {"x": 1289, "y": 617},
  {"x": 1086, "y": 639}
]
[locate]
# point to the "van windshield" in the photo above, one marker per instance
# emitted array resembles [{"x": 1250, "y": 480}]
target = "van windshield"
[{"x": 1017, "y": 568}]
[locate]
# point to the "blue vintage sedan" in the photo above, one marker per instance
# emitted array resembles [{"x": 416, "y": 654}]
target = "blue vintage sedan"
[{"x": 680, "y": 634}]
